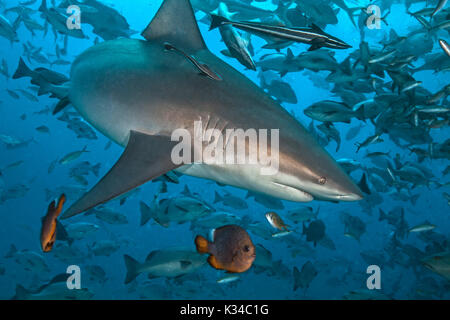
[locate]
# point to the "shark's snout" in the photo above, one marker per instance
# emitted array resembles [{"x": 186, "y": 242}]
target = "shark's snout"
[
  {"x": 317, "y": 175},
  {"x": 339, "y": 187}
]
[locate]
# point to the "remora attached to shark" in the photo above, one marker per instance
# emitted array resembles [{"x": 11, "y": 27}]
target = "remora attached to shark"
[{"x": 137, "y": 93}]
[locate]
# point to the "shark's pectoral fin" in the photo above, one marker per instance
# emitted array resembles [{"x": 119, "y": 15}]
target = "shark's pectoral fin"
[{"x": 146, "y": 157}]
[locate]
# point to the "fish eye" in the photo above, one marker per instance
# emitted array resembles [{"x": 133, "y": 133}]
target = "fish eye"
[
  {"x": 322, "y": 180},
  {"x": 246, "y": 248}
]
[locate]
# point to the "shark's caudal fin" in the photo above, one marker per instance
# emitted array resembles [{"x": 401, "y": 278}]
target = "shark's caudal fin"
[
  {"x": 146, "y": 157},
  {"x": 175, "y": 23}
]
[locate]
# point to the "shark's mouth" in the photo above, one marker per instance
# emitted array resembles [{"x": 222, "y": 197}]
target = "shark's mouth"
[
  {"x": 348, "y": 197},
  {"x": 319, "y": 194},
  {"x": 295, "y": 191}
]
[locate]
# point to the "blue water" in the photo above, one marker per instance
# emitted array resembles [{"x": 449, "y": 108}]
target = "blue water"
[{"x": 21, "y": 217}]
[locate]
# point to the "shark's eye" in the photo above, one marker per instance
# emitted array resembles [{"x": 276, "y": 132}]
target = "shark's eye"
[{"x": 322, "y": 180}]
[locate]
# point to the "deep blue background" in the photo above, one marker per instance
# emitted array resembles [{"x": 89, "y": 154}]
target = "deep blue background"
[{"x": 20, "y": 218}]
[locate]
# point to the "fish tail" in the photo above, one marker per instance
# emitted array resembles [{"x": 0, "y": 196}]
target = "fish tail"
[
  {"x": 61, "y": 233},
  {"x": 202, "y": 244},
  {"x": 146, "y": 213},
  {"x": 414, "y": 199},
  {"x": 296, "y": 274},
  {"x": 217, "y": 21},
  {"x": 21, "y": 293},
  {"x": 16, "y": 23},
  {"x": 358, "y": 146},
  {"x": 351, "y": 12},
  {"x": 362, "y": 184},
  {"x": 382, "y": 215},
  {"x": 43, "y": 6},
  {"x": 45, "y": 88},
  {"x": 217, "y": 197},
  {"x": 64, "y": 102},
  {"x": 11, "y": 252},
  {"x": 96, "y": 169},
  {"x": 132, "y": 266},
  {"x": 360, "y": 113},
  {"x": 22, "y": 70}
]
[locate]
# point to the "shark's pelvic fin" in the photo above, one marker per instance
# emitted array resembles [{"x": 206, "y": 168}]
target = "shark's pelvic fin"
[
  {"x": 175, "y": 23},
  {"x": 146, "y": 157}
]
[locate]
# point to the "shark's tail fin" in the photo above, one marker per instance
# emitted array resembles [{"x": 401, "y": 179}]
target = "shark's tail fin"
[
  {"x": 132, "y": 266},
  {"x": 22, "y": 70},
  {"x": 217, "y": 21}
]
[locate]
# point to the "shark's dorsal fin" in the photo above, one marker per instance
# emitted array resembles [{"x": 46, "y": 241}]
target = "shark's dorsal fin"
[
  {"x": 175, "y": 23},
  {"x": 146, "y": 157}
]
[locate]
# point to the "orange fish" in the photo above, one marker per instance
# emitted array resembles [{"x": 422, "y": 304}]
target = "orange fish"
[
  {"x": 48, "y": 231},
  {"x": 231, "y": 250}
]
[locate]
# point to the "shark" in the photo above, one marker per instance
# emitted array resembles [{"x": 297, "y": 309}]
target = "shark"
[{"x": 137, "y": 92}]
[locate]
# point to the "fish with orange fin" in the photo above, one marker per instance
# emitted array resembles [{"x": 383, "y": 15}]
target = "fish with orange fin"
[
  {"x": 49, "y": 224},
  {"x": 276, "y": 221},
  {"x": 231, "y": 250}
]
